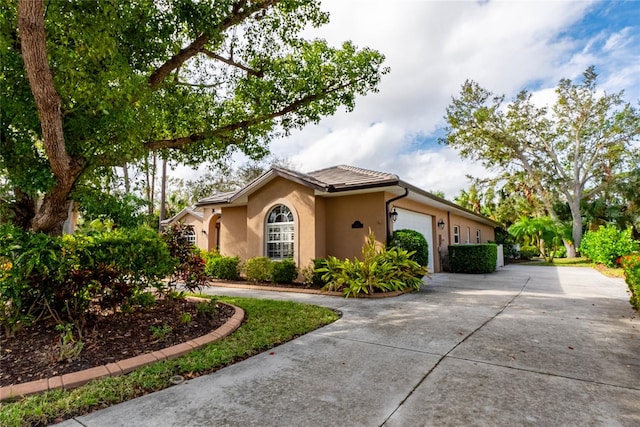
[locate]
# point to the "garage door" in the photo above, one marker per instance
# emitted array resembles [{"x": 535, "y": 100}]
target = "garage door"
[{"x": 419, "y": 222}]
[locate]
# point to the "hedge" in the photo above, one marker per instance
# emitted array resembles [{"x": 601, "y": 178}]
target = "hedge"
[
  {"x": 479, "y": 258},
  {"x": 412, "y": 241},
  {"x": 631, "y": 266}
]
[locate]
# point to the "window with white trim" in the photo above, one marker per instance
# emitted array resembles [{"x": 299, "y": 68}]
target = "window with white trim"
[
  {"x": 280, "y": 233},
  {"x": 456, "y": 234},
  {"x": 468, "y": 235},
  {"x": 478, "y": 235}
]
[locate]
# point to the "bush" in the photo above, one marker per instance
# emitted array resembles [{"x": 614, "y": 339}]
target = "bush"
[
  {"x": 383, "y": 270},
  {"x": 191, "y": 265},
  {"x": 412, "y": 241},
  {"x": 221, "y": 267},
  {"x": 258, "y": 269},
  {"x": 631, "y": 266},
  {"x": 473, "y": 258},
  {"x": 607, "y": 244},
  {"x": 62, "y": 276},
  {"x": 561, "y": 252},
  {"x": 284, "y": 271},
  {"x": 528, "y": 252}
]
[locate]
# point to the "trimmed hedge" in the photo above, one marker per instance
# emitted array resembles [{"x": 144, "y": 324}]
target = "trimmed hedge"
[
  {"x": 479, "y": 258},
  {"x": 221, "y": 267},
  {"x": 412, "y": 241},
  {"x": 631, "y": 266}
]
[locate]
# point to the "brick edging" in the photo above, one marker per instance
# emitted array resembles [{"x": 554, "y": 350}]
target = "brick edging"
[{"x": 77, "y": 379}]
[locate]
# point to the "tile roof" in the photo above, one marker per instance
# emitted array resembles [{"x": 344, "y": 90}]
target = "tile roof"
[{"x": 343, "y": 177}]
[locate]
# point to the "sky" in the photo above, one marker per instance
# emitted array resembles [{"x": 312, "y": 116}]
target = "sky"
[{"x": 432, "y": 47}]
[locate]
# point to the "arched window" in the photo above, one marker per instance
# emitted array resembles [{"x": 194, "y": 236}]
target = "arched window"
[{"x": 280, "y": 233}]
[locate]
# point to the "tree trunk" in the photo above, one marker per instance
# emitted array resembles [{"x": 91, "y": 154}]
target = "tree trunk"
[{"x": 66, "y": 169}]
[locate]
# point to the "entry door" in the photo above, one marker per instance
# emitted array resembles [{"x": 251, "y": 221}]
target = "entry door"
[{"x": 421, "y": 223}]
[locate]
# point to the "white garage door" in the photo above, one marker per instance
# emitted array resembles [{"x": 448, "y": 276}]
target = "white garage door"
[{"x": 419, "y": 222}]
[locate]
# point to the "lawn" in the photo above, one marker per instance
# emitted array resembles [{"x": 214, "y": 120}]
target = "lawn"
[{"x": 267, "y": 324}]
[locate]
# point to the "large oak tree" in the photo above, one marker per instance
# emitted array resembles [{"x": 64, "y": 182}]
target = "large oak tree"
[
  {"x": 586, "y": 140},
  {"x": 87, "y": 85}
]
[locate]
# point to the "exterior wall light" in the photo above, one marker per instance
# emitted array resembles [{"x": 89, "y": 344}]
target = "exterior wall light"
[
  {"x": 441, "y": 224},
  {"x": 393, "y": 215}
]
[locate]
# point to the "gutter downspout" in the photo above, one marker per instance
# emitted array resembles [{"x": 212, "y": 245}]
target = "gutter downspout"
[{"x": 387, "y": 203}]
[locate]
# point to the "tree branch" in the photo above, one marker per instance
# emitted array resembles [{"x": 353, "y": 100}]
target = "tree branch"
[
  {"x": 241, "y": 11},
  {"x": 179, "y": 142},
  {"x": 229, "y": 61}
]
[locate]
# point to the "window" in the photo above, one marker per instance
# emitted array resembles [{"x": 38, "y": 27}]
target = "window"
[
  {"x": 279, "y": 233},
  {"x": 478, "y": 235},
  {"x": 468, "y": 235},
  {"x": 190, "y": 236},
  {"x": 456, "y": 234}
]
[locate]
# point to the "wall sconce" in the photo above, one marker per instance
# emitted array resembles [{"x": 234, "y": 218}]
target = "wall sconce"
[
  {"x": 393, "y": 215},
  {"x": 441, "y": 224},
  {"x": 204, "y": 231}
]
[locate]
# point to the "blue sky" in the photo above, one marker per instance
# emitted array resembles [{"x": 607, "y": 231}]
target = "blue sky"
[{"x": 432, "y": 47}]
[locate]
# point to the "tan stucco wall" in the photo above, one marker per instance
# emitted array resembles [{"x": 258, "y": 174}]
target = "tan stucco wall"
[
  {"x": 342, "y": 240},
  {"x": 196, "y": 223},
  {"x": 233, "y": 232},
  {"x": 300, "y": 200},
  {"x": 487, "y": 233}
]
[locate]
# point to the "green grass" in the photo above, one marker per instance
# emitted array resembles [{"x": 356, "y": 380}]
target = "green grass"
[
  {"x": 579, "y": 262},
  {"x": 267, "y": 324}
]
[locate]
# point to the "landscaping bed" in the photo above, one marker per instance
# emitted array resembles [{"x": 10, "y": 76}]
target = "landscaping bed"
[{"x": 108, "y": 337}]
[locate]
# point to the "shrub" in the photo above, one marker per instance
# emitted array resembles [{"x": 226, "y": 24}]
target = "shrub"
[
  {"x": 258, "y": 269},
  {"x": 221, "y": 267},
  {"x": 528, "y": 252},
  {"x": 473, "y": 258},
  {"x": 312, "y": 274},
  {"x": 383, "y": 270},
  {"x": 284, "y": 271},
  {"x": 62, "y": 276},
  {"x": 191, "y": 265},
  {"x": 607, "y": 244},
  {"x": 412, "y": 241},
  {"x": 561, "y": 252},
  {"x": 631, "y": 266}
]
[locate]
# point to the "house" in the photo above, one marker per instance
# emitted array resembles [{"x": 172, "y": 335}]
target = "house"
[
  {"x": 302, "y": 216},
  {"x": 194, "y": 219}
]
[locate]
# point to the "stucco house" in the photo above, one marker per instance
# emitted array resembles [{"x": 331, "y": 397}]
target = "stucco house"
[{"x": 302, "y": 216}]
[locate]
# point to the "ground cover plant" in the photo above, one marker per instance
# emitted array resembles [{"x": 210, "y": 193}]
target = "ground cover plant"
[{"x": 268, "y": 323}]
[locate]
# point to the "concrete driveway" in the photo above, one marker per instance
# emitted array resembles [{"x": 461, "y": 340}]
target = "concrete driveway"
[{"x": 539, "y": 346}]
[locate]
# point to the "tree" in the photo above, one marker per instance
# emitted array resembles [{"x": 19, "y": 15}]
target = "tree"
[
  {"x": 543, "y": 232},
  {"x": 583, "y": 141},
  {"x": 89, "y": 85}
]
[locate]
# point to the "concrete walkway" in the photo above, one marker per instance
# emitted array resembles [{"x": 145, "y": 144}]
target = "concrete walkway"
[{"x": 523, "y": 346}]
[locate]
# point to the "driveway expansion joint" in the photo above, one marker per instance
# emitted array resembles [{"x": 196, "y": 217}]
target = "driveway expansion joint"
[{"x": 423, "y": 379}]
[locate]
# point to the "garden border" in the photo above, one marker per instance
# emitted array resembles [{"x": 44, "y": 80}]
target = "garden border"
[{"x": 76, "y": 379}]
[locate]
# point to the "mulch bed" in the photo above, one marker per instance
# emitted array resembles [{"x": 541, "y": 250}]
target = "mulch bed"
[{"x": 33, "y": 352}]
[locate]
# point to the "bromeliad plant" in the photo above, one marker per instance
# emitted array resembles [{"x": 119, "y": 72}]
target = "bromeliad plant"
[{"x": 380, "y": 270}]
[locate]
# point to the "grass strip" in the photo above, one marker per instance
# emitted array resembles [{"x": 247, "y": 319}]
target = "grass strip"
[{"x": 267, "y": 324}]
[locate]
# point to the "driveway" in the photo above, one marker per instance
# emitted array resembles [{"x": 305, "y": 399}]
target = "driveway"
[{"x": 539, "y": 346}]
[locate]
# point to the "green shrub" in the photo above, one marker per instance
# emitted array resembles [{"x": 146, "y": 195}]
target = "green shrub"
[
  {"x": 528, "y": 252},
  {"x": 631, "y": 266},
  {"x": 412, "y": 241},
  {"x": 258, "y": 269},
  {"x": 284, "y": 271},
  {"x": 63, "y": 276},
  {"x": 561, "y": 252},
  {"x": 607, "y": 244},
  {"x": 473, "y": 258},
  {"x": 383, "y": 270},
  {"x": 221, "y": 267}
]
